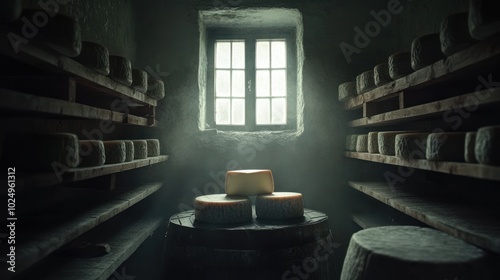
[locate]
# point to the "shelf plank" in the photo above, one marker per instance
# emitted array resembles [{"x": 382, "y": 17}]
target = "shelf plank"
[
  {"x": 365, "y": 220},
  {"x": 476, "y": 226},
  {"x": 455, "y": 168},
  {"x": 430, "y": 109},
  {"x": 476, "y": 58},
  {"x": 78, "y": 174},
  {"x": 13, "y": 100},
  {"x": 47, "y": 234}
]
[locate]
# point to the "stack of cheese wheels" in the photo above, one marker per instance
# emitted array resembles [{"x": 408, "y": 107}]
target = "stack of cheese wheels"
[
  {"x": 411, "y": 145},
  {"x": 386, "y": 142},
  {"x": 425, "y": 50},
  {"x": 362, "y": 143},
  {"x": 10, "y": 10},
  {"x": 139, "y": 80},
  {"x": 487, "y": 148},
  {"x": 94, "y": 56},
  {"x": 279, "y": 205},
  {"x": 222, "y": 209},
  {"x": 351, "y": 141},
  {"x": 115, "y": 151},
  {"x": 365, "y": 82},
  {"x": 410, "y": 252},
  {"x": 470, "y": 143},
  {"x": 249, "y": 182},
  {"x": 381, "y": 74},
  {"x": 484, "y": 21},
  {"x": 373, "y": 142},
  {"x": 399, "y": 65},
  {"x": 347, "y": 90},
  {"x": 455, "y": 34},
  {"x": 129, "y": 150},
  {"x": 156, "y": 88},
  {"x": 120, "y": 69},
  {"x": 153, "y": 147},
  {"x": 140, "y": 149},
  {"x": 445, "y": 146},
  {"x": 92, "y": 153}
]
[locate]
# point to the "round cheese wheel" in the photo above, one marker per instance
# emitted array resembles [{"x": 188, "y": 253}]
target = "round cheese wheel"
[
  {"x": 365, "y": 82},
  {"x": 120, "y": 69},
  {"x": 64, "y": 35},
  {"x": 347, "y": 90},
  {"x": 94, "y": 56},
  {"x": 115, "y": 151},
  {"x": 484, "y": 20},
  {"x": 410, "y": 252},
  {"x": 470, "y": 144},
  {"x": 399, "y": 65},
  {"x": 249, "y": 182},
  {"x": 373, "y": 142},
  {"x": 387, "y": 142},
  {"x": 425, "y": 50},
  {"x": 351, "y": 141},
  {"x": 411, "y": 145},
  {"x": 381, "y": 74},
  {"x": 156, "y": 88},
  {"x": 153, "y": 147},
  {"x": 10, "y": 10},
  {"x": 129, "y": 150},
  {"x": 362, "y": 143},
  {"x": 487, "y": 148},
  {"x": 445, "y": 146},
  {"x": 140, "y": 80},
  {"x": 92, "y": 153},
  {"x": 140, "y": 149},
  {"x": 455, "y": 35},
  {"x": 222, "y": 209},
  {"x": 279, "y": 205}
]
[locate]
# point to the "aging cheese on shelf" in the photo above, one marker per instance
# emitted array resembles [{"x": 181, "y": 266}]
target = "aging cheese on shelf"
[
  {"x": 470, "y": 144},
  {"x": 115, "y": 151},
  {"x": 381, "y": 74},
  {"x": 455, "y": 35},
  {"x": 129, "y": 150},
  {"x": 347, "y": 90},
  {"x": 411, "y": 145},
  {"x": 10, "y": 10},
  {"x": 362, "y": 143},
  {"x": 387, "y": 142},
  {"x": 410, "y": 252},
  {"x": 399, "y": 65},
  {"x": 365, "y": 82},
  {"x": 373, "y": 142},
  {"x": 92, "y": 153},
  {"x": 120, "y": 69},
  {"x": 487, "y": 148},
  {"x": 425, "y": 50},
  {"x": 351, "y": 141},
  {"x": 484, "y": 19},
  {"x": 445, "y": 146},
  {"x": 249, "y": 182},
  {"x": 156, "y": 88},
  {"x": 139, "y": 80},
  {"x": 94, "y": 56},
  {"x": 140, "y": 149},
  {"x": 279, "y": 205},
  {"x": 222, "y": 209},
  {"x": 153, "y": 147}
]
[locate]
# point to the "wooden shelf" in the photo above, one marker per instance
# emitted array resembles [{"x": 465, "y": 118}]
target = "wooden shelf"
[
  {"x": 456, "y": 168},
  {"x": 78, "y": 174},
  {"x": 365, "y": 220},
  {"x": 477, "y": 58},
  {"x": 42, "y": 235},
  {"x": 477, "y": 226}
]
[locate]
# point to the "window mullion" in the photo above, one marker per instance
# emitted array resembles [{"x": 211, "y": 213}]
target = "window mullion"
[{"x": 250, "y": 83}]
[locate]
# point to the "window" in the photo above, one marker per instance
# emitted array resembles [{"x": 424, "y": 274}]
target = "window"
[{"x": 252, "y": 84}]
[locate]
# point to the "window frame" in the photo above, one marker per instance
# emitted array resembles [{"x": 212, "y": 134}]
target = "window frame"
[{"x": 250, "y": 35}]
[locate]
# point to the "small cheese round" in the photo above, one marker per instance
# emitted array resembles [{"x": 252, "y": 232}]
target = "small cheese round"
[
  {"x": 362, "y": 143},
  {"x": 411, "y": 145},
  {"x": 351, "y": 141},
  {"x": 115, "y": 151},
  {"x": 381, "y": 74},
  {"x": 399, "y": 65},
  {"x": 470, "y": 144},
  {"x": 140, "y": 149},
  {"x": 455, "y": 35},
  {"x": 129, "y": 150},
  {"x": 425, "y": 50},
  {"x": 10, "y": 10},
  {"x": 365, "y": 82},
  {"x": 387, "y": 142},
  {"x": 92, "y": 153},
  {"x": 445, "y": 146},
  {"x": 140, "y": 80},
  {"x": 373, "y": 142},
  {"x": 279, "y": 205},
  {"x": 94, "y": 56},
  {"x": 347, "y": 90},
  {"x": 63, "y": 35},
  {"x": 153, "y": 147},
  {"x": 487, "y": 148},
  {"x": 120, "y": 69},
  {"x": 156, "y": 88},
  {"x": 249, "y": 182},
  {"x": 222, "y": 209},
  {"x": 484, "y": 21}
]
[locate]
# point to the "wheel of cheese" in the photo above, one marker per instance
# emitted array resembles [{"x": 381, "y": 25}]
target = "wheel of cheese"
[
  {"x": 362, "y": 143},
  {"x": 153, "y": 147},
  {"x": 351, "y": 141},
  {"x": 92, "y": 153},
  {"x": 381, "y": 74},
  {"x": 455, "y": 35},
  {"x": 487, "y": 148},
  {"x": 120, "y": 69},
  {"x": 399, "y": 65},
  {"x": 115, "y": 151},
  {"x": 347, "y": 90},
  {"x": 249, "y": 182},
  {"x": 411, "y": 145},
  {"x": 484, "y": 20},
  {"x": 140, "y": 149},
  {"x": 222, "y": 209},
  {"x": 445, "y": 146},
  {"x": 413, "y": 253},
  {"x": 279, "y": 206},
  {"x": 156, "y": 88},
  {"x": 94, "y": 56},
  {"x": 10, "y": 10},
  {"x": 129, "y": 150},
  {"x": 373, "y": 142},
  {"x": 470, "y": 144},
  {"x": 425, "y": 50},
  {"x": 140, "y": 80},
  {"x": 365, "y": 82},
  {"x": 387, "y": 142}
]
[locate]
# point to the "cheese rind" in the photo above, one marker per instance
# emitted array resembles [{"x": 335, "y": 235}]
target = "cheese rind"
[
  {"x": 153, "y": 147},
  {"x": 347, "y": 90},
  {"x": 387, "y": 142},
  {"x": 115, "y": 151},
  {"x": 92, "y": 153},
  {"x": 362, "y": 143},
  {"x": 381, "y": 74},
  {"x": 454, "y": 34},
  {"x": 425, "y": 50},
  {"x": 487, "y": 148},
  {"x": 279, "y": 205},
  {"x": 445, "y": 146},
  {"x": 411, "y": 145},
  {"x": 120, "y": 69},
  {"x": 373, "y": 142},
  {"x": 365, "y": 82},
  {"x": 140, "y": 149},
  {"x": 470, "y": 144},
  {"x": 222, "y": 209},
  {"x": 351, "y": 141},
  {"x": 129, "y": 150},
  {"x": 94, "y": 56},
  {"x": 484, "y": 21},
  {"x": 399, "y": 65},
  {"x": 140, "y": 80},
  {"x": 156, "y": 88},
  {"x": 249, "y": 182}
]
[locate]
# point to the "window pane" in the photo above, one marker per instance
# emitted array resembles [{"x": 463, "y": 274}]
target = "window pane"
[
  {"x": 222, "y": 54},
  {"x": 262, "y": 83},
  {"x": 278, "y": 79},
  {"x": 263, "y": 111},
  {"x": 278, "y": 54},
  {"x": 222, "y": 109},
  {"x": 279, "y": 111},
  {"x": 239, "y": 55},
  {"x": 262, "y": 54},
  {"x": 238, "y": 111},
  {"x": 238, "y": 83},
  {"x": 222, "y": 83}
]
